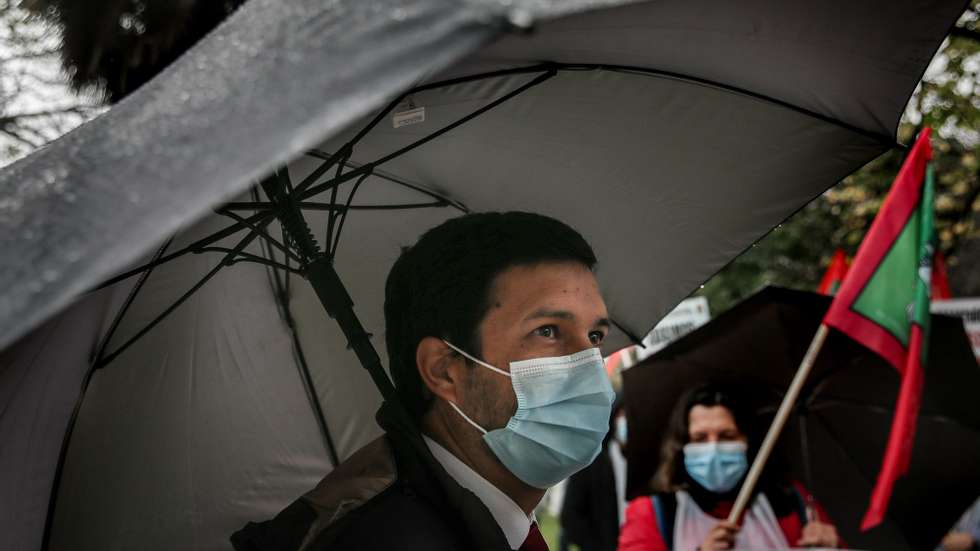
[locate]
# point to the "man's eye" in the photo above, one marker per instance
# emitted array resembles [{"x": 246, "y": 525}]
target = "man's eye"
[
  {"x": 547, "y": 331},
  {"x": 596, "y": 337}
]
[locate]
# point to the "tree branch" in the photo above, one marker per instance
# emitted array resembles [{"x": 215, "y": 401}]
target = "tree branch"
[
  {"x": 14, "y": 135},
  {"x": 25, "y": 55},
  {"x": 74, "y": 110}
]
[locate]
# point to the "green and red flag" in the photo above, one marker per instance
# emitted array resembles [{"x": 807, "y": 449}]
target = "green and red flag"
[
  {"x": 835, "y": 273},
  {"x": 883, "y": 303}
]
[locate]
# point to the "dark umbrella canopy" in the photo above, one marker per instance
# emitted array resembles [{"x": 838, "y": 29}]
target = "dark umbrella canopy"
[{"x": 846, "y": 413}]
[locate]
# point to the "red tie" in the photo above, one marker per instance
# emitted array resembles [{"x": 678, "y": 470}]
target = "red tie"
[{"x": 534, "y": 541}]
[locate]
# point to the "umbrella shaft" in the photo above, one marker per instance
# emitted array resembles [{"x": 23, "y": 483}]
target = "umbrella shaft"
[
  {"x": 335, "y": 299},
  {"x": 777, "y": 424}
]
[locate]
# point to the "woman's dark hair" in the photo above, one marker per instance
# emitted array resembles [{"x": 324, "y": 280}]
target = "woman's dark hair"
[
  {"x": 670, "y": 475},
  {"x": 440, "y": 287}
]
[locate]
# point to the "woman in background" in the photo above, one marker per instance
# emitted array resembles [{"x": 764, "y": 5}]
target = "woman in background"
[{"x": 704, "y": 459}]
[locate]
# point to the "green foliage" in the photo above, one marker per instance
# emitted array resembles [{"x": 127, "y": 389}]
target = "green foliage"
[
  {"x": 550, "y": 527},
  {"x": 796, "y": 253}
]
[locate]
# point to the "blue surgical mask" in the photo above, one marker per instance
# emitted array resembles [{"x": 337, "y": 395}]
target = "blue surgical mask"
[
  {"x": 563, "y": 407},
  {"x": 717, "y": 466}
]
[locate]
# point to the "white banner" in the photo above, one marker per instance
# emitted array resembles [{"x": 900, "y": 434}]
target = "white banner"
[
  {"x": 690, "y": 314},
  {"x": 969, "y": 310}
]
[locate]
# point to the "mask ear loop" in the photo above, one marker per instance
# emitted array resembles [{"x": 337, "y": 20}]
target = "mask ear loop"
[
  {"x": 484, "y": 364},
  {"x": 464, "y": 416},
  {"x": 471, "y": 358}
]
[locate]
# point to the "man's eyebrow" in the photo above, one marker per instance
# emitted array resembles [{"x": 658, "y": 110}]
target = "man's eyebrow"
[
  {"x": 546, "y": 313},
  {"x": 562, "y": 314}
]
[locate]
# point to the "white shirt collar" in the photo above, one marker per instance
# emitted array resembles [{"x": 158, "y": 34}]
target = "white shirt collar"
[{"x": 512, "y": 520}]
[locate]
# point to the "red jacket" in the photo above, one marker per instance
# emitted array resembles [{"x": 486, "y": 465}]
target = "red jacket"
[{"x": 640, "y": 532}]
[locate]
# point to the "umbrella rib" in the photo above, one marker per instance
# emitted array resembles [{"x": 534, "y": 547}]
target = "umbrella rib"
[
  {"x": 281, "y": 296},
  {"x": 380, "y": 174},
  {"x": 285, "y": 240},
  {"x": 549, "y": 70},
  {"x": 251, "y": 258},
  {"x": 258, "y": 205},
  {"x": 826, "y": 402},
  {"x": 864, "y": 476},
  {"x": 312, "y": 177},
  {"x": 345, "y": 150},
  {"x": 834, "y": 438},
  {"x": 629, "y": 334},
  {"x": 882, "y": 139},
  {"x": 369, "y": 167},
  {"x": 129, "y": 302},
  {"x": 340, "y": 227},
  {"x": 214, "y": 271},
  {"x": 264, "y": 245},
  {"x": 332, "y": 213},
  {"x": 203, "y": 242},
  {"x": 262, "y": 233},
  {"x": 93, "y": 366}
]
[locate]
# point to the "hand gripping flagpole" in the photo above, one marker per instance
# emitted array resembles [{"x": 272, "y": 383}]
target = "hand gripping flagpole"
[{"x": 742, "y": 501}]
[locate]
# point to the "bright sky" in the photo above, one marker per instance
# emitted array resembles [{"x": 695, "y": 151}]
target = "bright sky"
[{"x": 32, "y": 84}]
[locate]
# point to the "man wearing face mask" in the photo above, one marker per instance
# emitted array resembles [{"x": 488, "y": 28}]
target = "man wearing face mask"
[
  {"x": 492, "y": 326},
  {"x": 704, "y": 458}
]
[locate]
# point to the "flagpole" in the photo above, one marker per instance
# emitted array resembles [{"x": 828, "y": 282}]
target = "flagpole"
[{"x": 778, "y": 423}]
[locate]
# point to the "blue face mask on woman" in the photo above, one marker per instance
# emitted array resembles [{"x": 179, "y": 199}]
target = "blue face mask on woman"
[
  {"x": 563, "y": 407},
  {"x": 717, "y": 466}
]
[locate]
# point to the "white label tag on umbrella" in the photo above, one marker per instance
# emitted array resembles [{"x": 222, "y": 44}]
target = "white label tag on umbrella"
[{"x": 405, "y": 118}]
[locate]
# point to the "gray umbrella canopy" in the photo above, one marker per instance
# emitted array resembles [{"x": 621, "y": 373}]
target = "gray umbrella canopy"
[
  {"x": 675, "y": 112},
  {"x": 671, "y": 134}
]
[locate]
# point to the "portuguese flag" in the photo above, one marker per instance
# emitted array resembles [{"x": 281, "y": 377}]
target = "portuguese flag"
[{"x": 883, "y": 303}]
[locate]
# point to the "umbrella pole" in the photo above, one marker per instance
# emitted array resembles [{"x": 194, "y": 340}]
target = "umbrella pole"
[
  {"x": 778, "y": 423},
  {"x": 811, "y": 511},
  {"x": 335, "y": 299},
  {"x": 331, "y": 291}
]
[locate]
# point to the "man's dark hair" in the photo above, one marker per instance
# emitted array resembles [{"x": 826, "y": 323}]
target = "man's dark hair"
[{"x": 440, "y": 287}]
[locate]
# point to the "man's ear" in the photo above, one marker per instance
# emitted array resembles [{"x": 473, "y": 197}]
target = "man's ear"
[{"x": 439, "y": 368}]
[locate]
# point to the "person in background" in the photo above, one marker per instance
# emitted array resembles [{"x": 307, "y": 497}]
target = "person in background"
[
  {"x": 965, "y": 536},
  {"x": 704, "y": 458},
  {"x": 595, "y": 504}
]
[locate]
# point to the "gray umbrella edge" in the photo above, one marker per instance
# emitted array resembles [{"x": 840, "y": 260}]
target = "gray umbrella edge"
[{"x": 233, "y": 88}]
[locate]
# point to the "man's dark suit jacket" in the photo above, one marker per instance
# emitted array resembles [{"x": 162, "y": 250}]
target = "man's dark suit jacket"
[{"x": 391, "y": 494}]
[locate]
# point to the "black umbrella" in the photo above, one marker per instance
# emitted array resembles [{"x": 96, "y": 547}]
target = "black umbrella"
[{"x": 836, "y": 439}]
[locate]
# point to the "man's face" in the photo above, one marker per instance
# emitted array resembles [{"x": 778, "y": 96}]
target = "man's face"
[{"x": 540, "y": 310}]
